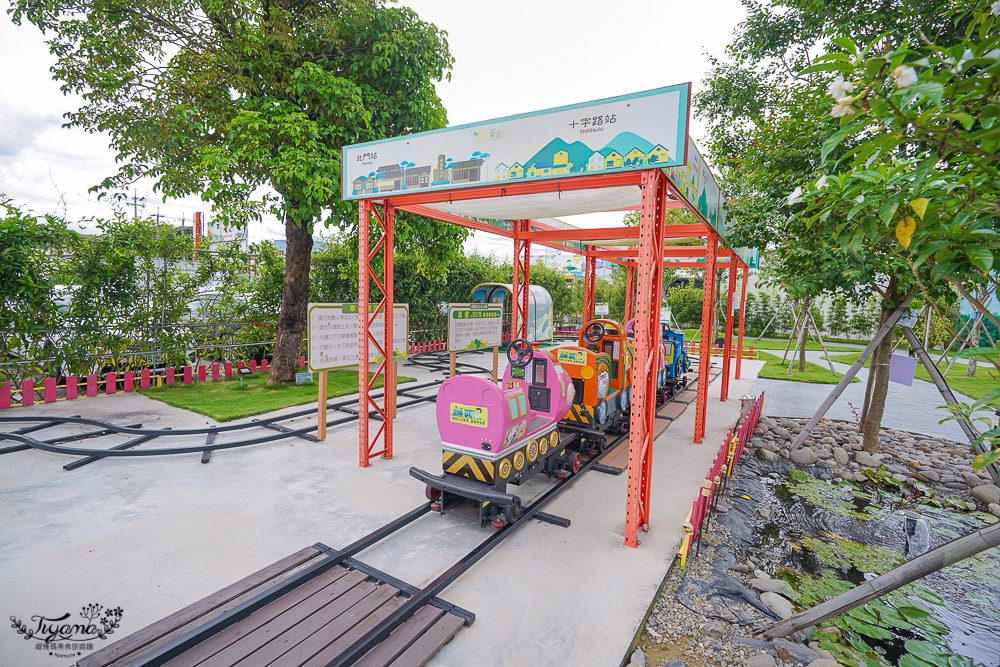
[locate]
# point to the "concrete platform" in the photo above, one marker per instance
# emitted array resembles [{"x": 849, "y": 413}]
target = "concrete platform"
[{"x": 153, "y": 535}]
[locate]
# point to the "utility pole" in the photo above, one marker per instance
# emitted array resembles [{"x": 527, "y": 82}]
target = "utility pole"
[{"x": 135, "y": 204}]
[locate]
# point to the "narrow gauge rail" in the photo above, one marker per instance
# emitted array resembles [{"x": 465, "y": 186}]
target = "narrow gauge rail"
[
  {"x": 373, "y": 639},
  {"x": 56, "y": 445}
]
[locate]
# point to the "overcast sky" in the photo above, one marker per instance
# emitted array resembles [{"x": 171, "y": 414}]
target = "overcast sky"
[{"x": 510, "y": 57}]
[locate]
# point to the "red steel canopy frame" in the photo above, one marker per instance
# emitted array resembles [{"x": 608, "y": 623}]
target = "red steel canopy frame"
[{"x": 641, "y": 250}]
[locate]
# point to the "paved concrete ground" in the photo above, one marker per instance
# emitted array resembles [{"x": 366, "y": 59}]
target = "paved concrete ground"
[
  {"x": 911, "y": 408},
  {"x": 153, "y": 535}
]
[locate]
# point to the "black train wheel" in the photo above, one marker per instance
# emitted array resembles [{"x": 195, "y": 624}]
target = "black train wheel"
[{"x": 513, "y": 511}]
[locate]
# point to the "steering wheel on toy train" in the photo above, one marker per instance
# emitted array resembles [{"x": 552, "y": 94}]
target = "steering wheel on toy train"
[
  {"x": 520, "y": 352},
  {"x": 593, "y": 332}
]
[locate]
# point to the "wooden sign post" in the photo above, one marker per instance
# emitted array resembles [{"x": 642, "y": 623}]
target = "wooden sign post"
[
  {"x": 496, "y": 362},
  {"x": 321, "y": 413},
  {"x": 451, "y": 361}
]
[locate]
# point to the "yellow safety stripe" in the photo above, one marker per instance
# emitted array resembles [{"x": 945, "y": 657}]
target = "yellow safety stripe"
[{"x": 467, "y": 466}]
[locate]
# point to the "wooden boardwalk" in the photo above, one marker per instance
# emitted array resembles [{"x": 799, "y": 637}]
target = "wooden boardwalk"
[
  {"x": 310, "y": 624},
  {"x": 668, "y": 412}
]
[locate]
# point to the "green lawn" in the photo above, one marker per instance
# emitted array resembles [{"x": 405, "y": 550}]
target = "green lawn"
[
  {"x": 974, "y": 387},
  {"x": 775, "y": 344},
  {"x": 225, "y": 400},
  {"x": 774, "y": 370}
]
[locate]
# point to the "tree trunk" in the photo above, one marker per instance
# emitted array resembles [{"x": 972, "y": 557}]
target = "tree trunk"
[
  {"x": 880, "y": 385},
  {"x": 804, "y": 336},
  {"x": 294, "y": 300}
]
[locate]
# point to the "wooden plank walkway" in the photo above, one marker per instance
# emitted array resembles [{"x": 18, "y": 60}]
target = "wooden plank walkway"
[
  {"x": 618, "y": 457},
  {"x": 309, "y": 625}
]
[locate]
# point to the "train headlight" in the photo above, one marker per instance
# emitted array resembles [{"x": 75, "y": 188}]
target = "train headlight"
[
  {"x": 603, "y": 381},
  {"x": 602, "y": 412}
]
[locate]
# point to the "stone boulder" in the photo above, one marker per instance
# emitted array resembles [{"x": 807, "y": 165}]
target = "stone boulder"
[
  {"x": 778, "y": 604},
  {"x": 863, "y": 458},
  {"x": 987, "y": 493},
  {"x": 804, "y": 456},
  {"x": 840, "y": 456}
]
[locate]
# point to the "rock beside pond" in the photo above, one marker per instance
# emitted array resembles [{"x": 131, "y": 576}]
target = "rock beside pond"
[
  {"x": 767, "y": 455},
  {"x": 824, "y": 662},
  {"x": 994, "y": 509},
  {"x": 778, "y": 604},
  {"x": 804, "y": 456},
  {"x": 790, "y": 651},
  {"x": 767, "y": 422},
  {"x": 987, "y": 493},
  {"x": 760, "y": 660},
  {"x": 767, "y": 585},
  {"x": 972, "y": 480},
  {"x": 863, "y": 458}
]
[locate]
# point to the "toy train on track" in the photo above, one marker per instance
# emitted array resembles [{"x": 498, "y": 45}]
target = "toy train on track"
[{"x": 552, "y": 407}]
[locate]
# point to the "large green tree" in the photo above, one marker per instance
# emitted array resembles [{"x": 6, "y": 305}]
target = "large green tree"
[
  {"x": 247, "y": 103},
  {"x": 769, "y": 118}
]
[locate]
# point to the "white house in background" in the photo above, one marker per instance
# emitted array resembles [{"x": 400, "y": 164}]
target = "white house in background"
[
  {"x": 596, "y": 161},
  {"x": 501, "y": 172}
]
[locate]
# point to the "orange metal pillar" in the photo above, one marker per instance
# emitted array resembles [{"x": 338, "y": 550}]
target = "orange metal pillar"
[
  {"x": 647, "y": 342},
  {"x": 743, "y": 308},
  {"x": 630, "y": 291},
  {"x": 727, "y": 348},
  {"x": 705, "y": 351},
  {"x": 519, "y": 296},
  {"x": 589, "y": 283},
  {"x": 368, "y": 334}
]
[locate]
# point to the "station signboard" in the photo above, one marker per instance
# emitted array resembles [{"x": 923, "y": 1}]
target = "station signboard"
[
  {"x": 333, "y": 334},
  {"x": 631, "y": 132},
  {"x": 474, "y": 326}
]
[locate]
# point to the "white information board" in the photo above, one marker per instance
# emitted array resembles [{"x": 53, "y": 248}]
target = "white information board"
[
  {"x": 600, "y": 309},
  {"x": 333, "y": 334},
  {"x": 474, "y": 326}
]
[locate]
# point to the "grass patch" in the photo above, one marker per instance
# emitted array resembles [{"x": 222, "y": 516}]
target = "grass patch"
[
  {"x": 225, "y": 400},
  {"x": 814, "y": 373},
  {"x": 973, "y": 387},
  {"x": 776, "y": 344}
]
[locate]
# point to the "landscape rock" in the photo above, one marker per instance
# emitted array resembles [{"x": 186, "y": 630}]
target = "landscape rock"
[
  {"x": 840, "y": 455},
  {"x": 790, "y": 651},
  {"x": 804, "y": 456},
  {"x": 676, "y": 662},
  {"x": 778, "y": 604},
  {"x": 994, "y": 509},
  {"x": 972, "y": 480},
  {"x": 767, "y": 585},
  {"x": 764, "y": 513},
  {"x": 987, "y": 493},
  {"x": 767, "y": 455},
  {"x": 767, "y": 422},
  {"x": 760, "y": 660},
  {"x": 824, "y": 662},
  {"x": 823, "y": 653},
  {"x": 761, "y": 574},
  {"x": 639, "y": 658},
  {"x": 714, "y": 629},
  {"x": 865, "y": 459}
]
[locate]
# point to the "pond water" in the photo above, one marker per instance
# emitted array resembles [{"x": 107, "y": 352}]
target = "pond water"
[{"x": 825, "y": 536}]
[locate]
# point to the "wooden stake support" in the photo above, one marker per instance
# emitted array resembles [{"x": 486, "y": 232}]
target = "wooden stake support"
[
  {"x": 496, "y": 362},
  {"x": 451, "y": 362},
  {"x": 321, "y": 412}
]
